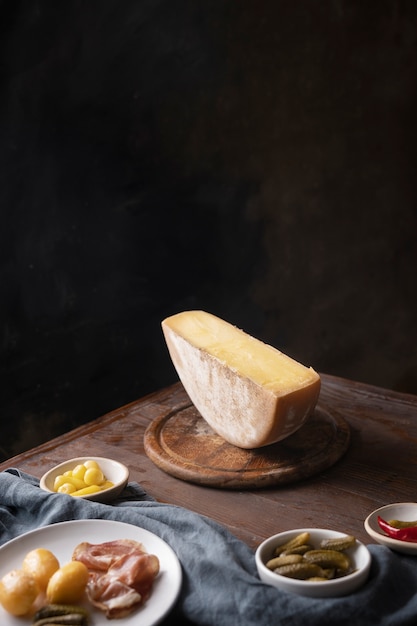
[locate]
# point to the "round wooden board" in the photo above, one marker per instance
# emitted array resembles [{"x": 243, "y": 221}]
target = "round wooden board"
[{"x": 185, "y": 446}]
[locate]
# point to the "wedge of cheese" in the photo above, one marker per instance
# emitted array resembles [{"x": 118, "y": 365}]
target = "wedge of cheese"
[{"x": 250, "y": 393}]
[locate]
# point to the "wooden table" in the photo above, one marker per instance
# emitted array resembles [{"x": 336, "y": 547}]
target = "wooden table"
[{"x": 378, "y": 467}]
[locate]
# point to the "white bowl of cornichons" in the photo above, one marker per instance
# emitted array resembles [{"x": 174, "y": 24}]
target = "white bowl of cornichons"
[{"x": 314, "y": 562}]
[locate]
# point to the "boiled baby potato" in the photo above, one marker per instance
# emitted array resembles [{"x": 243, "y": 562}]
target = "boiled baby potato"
[
  {"x": 41, "y": 564},
  {"x": 18, "y": 592},
  {"x": 84, "y": 479},
  {"x": 67, "y": 584}
]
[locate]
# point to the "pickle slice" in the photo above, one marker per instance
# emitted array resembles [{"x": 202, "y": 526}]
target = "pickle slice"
[{"x": 61, "y": 614}]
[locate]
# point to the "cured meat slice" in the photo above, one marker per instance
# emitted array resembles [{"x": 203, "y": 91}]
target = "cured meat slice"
[
  {"x": 99, "y": 556},
  {"x": 113, "y": 597},
  {"x": 121, "y": 575}
]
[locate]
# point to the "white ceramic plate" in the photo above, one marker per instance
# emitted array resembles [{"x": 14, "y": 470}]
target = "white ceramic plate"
[
  {"x": 405, "y": 511},
  {"x": 62, "y": 538}
]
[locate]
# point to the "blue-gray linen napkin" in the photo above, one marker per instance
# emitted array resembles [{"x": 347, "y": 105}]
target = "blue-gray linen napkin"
[{"x": 220, "y": 582}]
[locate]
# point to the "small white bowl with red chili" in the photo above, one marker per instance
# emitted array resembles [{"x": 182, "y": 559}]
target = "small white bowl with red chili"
[
  {"x": 311, "y": 572},
  {"x": 395, "y": 526}
]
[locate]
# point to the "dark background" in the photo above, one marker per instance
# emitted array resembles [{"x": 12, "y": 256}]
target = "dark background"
[{"x": 254, "y": 159}]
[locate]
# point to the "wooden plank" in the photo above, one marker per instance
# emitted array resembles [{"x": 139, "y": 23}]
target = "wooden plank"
[{"x": 377, "y": 468}]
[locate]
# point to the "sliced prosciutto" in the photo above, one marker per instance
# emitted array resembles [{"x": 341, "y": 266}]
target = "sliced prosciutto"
[{"x": 121, "y": 575}]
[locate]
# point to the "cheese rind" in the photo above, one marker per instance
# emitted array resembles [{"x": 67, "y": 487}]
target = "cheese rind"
[{"x": 250, "y": 393}]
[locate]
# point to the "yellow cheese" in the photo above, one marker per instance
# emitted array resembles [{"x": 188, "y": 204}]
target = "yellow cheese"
[{"x": 249, "y": 392}]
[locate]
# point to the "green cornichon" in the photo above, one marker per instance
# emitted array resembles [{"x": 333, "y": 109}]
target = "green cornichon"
[
  {"x": 286, "y": 559},
  {"x": 396, "y": 523},
  {"x": 338, "y": 543},
  {"x": 298, "y": 559},
  {"x": 61, "y": 615},
  {"x": 328, "y": 558},
  {"x": 297, "y": 541},
  {"x": 71, "y": 619},
  {"x": 301, "y": 571}
]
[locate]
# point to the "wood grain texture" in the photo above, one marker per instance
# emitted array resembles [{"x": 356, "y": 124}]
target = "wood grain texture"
[
  {"x": 183, "y": 444},
  {"x": 377, "y": 468}
]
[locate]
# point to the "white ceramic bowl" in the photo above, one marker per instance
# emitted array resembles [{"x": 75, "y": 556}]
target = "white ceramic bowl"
[
  {"x": 359, "y": 554},
  {"x": 114, "y": 471},
  {"x": 405, "y": 511}
]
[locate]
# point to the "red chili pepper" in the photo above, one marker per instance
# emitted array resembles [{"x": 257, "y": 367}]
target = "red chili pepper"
[{"x": 403, "y": 534}]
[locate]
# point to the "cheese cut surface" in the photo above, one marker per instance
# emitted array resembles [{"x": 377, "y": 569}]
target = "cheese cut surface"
[{"x": 249, "y": 392}]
